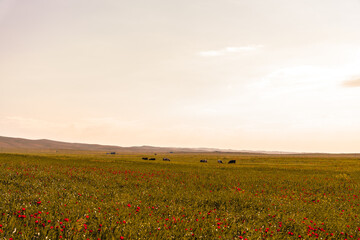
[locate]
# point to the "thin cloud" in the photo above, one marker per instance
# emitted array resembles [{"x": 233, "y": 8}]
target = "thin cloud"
[
  {"x": 230, "y": 50},
  {"x": 352, "y": 83},
  {"x": 26, "y": 123}
]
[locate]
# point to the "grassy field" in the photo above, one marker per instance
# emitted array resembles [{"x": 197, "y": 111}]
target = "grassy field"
[{"x": 98, "y": 196}]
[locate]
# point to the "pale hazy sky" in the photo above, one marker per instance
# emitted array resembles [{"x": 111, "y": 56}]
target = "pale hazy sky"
[{"x": 241, "y": 74}]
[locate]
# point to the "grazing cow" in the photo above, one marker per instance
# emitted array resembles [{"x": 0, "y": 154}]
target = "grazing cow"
[
  {"x": 151, "y": 158},
  {"x": 166, "y": 159},
  {"x": 232, "y": 161},
  {"x": 203, "y": 160},
  {"x": 144, "y": 158},
  {"x": 113, "y": 153},
  {"x": 219, "y": 161}
]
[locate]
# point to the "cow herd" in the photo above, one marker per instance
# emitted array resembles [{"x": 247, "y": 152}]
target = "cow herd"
[
  {"x": 219, "y": 161},
  {"x": 202, "y": 160},
  {"x": 152, "y": 159}
]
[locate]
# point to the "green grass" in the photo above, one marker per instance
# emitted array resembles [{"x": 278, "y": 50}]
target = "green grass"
[{"x": 98, "y": 196}]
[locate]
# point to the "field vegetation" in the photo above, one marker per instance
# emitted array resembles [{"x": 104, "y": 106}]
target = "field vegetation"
[{"x": 99, "y": 196}]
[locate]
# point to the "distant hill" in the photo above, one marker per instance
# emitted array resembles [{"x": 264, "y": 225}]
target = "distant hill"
[
  {"x": 9, "y": 144},
  {"x": 21, "y": 144}
]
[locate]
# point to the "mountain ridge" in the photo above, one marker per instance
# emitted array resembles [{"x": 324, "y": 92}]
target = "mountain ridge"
[{"x": 12, "y": 143}]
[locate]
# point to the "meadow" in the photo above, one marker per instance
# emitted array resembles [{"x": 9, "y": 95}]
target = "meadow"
[{"x": 99, "y": 196}]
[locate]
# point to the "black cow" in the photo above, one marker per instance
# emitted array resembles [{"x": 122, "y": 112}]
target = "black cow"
[
  {"x": 144, "y": 158},
  {"x": 151, "y": 158},
  {"x": 203, "y": 160},
  {"x": 219, "y": 161},
  {"x": 232, "y": 161},
  {"x": 166, "y": 159}
]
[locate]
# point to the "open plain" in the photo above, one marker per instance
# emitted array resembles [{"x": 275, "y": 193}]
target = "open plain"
[{"x": 122, "y": 196}]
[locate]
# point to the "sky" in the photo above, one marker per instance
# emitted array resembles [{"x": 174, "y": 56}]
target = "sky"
[{"x": 272, "y": 75}]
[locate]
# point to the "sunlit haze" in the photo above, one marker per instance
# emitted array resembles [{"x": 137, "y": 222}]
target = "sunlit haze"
[{"x": 241, "y": 74}]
